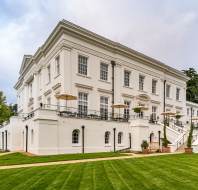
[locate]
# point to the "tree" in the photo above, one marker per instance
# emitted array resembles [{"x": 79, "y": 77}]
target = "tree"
[
  {"x": 5, "y": 111},
  {"x": 192, "y": 85}
]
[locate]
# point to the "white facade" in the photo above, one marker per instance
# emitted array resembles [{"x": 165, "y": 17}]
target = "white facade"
[{"x": 78, "y": 62}]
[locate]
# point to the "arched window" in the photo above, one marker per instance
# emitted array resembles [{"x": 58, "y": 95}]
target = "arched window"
[
  {"x": 152, "y": 137},
  {"x": 107, "y": 137},
  {"x": 120, "y": 134},
  {"x": 75, "y": 136}
]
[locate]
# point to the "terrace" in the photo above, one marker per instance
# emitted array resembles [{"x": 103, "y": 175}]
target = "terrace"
[{"x": 71, "y": 112}]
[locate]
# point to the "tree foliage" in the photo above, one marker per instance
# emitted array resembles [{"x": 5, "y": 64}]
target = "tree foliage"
[
  {"x": 192, "y": 85},
  {"x": 5, "y": 110}
]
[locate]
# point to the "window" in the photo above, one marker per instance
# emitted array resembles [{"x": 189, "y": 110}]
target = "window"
[
  {"x": 188, "y": 111},
  {"x": 82, "y": 65},
  {"x": 104, "y": 71},
  {"x": 32, "y": 136},
  {"x": 127, "y": 78},
  {"x": 104, "y": 107},
  {"x": 75, "y": 136},
  {"x": 82, "y": 103},
  {"x": 48, "y": 102},
  {"x": 49, "y": 74},
  {"x": 154, "y": 86},
  {"x": 57, "y": 65},
  {"x": 168, "y": 90},
  {"x": 39, "y": 79},
  {"x": 141, "y": 82},
  {"x": 107, "y": 137},
  {"x": 177, "y": 94},
  {"x": 120, "y": 134},
  {"x": 126, "y": 110},
  {"x": 30, "y": 90},
  {"x": 154, "y": 113}
]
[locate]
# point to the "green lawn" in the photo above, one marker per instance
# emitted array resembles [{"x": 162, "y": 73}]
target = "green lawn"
[
  {"x": 19, "y": 158},
  {"x": 173, "y": 172}
]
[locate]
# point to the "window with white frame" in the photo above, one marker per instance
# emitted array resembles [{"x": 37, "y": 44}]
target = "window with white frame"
[
  {"x": 104, "y": 71},
  {"x": 82, "y": 103},
  {"x": 120, "y": 136},
  {"x": 32, "y": 136},
  {"x": 107, "y": 137},
  {"x": 57, "y": 63},
  {"x": 154, "y": 113},
  {"x": 104, "y": 107},
  {"x": 75, "y": 136},
  {"x": 30, "y": 89},
  {"x": 127, "y": 109},
  {"x": 188, "y": 111},
  {"x": 127, "y": 78},
  {"x": 39, "y": 79},
  {"x": 48, "y": 74},
  {"x": 177, "y": 93},
  {"x": 154, "y": 86},
  {"x": 141, "y": 82},
  {"x": 168, "y": 88},
  {"x": 82, "y": 65},
  {"x": 48, "y": 102}
]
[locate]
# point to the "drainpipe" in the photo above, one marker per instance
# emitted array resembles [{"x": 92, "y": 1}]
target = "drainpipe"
[
  {"x": 114, "y": 139},
  {"x": 164, "y": 107},
  {"x": 26, "y": 144},
  {"x": 113, "y": 86},
  {"x": 83, "y": 139},
  {"x": 6, "y": 140},
  {"x": 2, "y": 140},
  {"x": 159, "y": 138},
  {"x": 130, "y": 140},
  {"x": 164, "y": 95}
]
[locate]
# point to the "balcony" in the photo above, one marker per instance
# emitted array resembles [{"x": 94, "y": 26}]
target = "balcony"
[{"x": 70, "y": 112}]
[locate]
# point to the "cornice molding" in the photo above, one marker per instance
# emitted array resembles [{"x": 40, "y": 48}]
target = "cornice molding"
[{"x": 116, "y": 48}]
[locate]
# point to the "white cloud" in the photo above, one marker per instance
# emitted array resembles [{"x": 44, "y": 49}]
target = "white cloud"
[{"x": 165, "y": 30}]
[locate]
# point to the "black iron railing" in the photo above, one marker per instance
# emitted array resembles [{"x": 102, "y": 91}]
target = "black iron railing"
[{"x": 85, "y": 113}]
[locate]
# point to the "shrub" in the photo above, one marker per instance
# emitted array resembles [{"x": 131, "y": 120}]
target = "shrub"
[{"x": 144, "y": 144}]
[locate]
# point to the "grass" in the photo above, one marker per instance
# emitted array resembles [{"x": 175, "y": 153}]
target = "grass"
[
  {"x": 19, "y": 158},
  {"x": 172, "y": 172}
]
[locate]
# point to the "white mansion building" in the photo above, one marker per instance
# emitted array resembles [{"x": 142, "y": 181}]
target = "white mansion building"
[{"x": 71, "y": 95}]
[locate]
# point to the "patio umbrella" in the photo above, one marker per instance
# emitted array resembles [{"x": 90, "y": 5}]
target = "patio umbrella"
[
  {"x": 119, "y": 106},
  {"x": 143, "y": 108},
  {"x": 66, "y": 97},
  {"x": 195, "y": 118},
  {"x": 168, "y": 113}
]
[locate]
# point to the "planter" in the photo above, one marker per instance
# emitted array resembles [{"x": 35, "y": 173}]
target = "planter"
[
  {"x": 166, "y": 149},
  {"x": 188, "y": 150},
  {"x": 145, "y": 151}
]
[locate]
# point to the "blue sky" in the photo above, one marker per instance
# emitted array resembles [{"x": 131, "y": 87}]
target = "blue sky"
[{"x": 166, "y": 29}]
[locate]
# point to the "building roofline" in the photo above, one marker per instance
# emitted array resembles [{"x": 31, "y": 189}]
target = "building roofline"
[
  {"x": 66, "y": 26},
  {"x": 192, "y": 103}
]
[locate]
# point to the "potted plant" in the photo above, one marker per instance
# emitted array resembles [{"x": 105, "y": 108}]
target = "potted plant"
[
  {"x": 145, "y": 146},
  {"x": 189, "y": 149},
  {"x": 137, "y": 110}
]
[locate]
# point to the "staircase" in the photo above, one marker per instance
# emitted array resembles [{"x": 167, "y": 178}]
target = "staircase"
[{"x": 177, "y": 136}]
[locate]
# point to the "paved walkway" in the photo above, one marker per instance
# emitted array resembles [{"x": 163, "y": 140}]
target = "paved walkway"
[
  {"x": 5, "y": 153},
  {"x": 128, "y": 155}
]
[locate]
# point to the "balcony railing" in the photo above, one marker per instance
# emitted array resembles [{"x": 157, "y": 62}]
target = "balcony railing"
[
  {"x": 71, "y": 112},
  {"x": 92, "y": 114}
]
